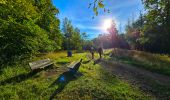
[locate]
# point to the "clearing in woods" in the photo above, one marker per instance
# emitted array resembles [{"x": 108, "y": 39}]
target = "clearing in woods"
[{"x": 97, "y": 79}]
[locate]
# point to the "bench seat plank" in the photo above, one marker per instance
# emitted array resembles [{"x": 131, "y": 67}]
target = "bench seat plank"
[{"x": 40, "y": 64}]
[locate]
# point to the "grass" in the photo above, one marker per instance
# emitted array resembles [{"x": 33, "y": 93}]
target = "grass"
[
  {"x": 153, "y": 62},
  {"x": 18, "y": 82}
]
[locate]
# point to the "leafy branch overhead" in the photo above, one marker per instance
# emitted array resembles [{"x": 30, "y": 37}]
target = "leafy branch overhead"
[{"x": 96, "y": 5}]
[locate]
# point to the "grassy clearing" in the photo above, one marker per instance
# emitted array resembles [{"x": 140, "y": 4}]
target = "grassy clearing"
[
  {"x": 94, "y": 83},
  {"x": 153, "y": 62}
]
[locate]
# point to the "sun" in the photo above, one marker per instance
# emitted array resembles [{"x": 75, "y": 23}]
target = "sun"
[{"x": 107, "y": 24}]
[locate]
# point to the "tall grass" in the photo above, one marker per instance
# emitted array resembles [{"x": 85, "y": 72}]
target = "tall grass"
[{"x": 153, "y": 62}]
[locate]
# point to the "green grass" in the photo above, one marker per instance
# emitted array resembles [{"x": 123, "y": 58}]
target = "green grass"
[
  {"x": 153, "y": 62},
  {"x": 94, "y": 83}
]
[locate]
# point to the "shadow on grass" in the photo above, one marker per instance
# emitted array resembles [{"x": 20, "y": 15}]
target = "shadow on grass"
[
  {"x": 85, "y": 62},
  {"x": 63, "y": 63},
  {"x": 0, "y": 72},
  {"x": 22, "y": 77},
  {"x": 97, "y": 61},
  {"x": 65, "y": 78}
]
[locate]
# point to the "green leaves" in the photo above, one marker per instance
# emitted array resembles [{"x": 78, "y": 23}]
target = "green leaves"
[
  {"x": 28, "y": 27},
  {"x": 95, "y": 11},
  {"x": 100, "y": 4},
  {"x": 3, "y": 1},
  {"x": 153, "y": 27}
]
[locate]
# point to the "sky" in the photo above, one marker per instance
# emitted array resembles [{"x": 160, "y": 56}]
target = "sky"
[{"x": 81, "y": 16}]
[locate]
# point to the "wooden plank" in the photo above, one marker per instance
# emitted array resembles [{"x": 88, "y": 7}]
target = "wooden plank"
[
  {"x": 40, "y": 64},
  {"x": 71, "y": 65}
]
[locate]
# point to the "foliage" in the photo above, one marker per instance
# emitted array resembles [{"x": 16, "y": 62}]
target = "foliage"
[
  {"x": 133, "y": 33},
  {"x": 96, "y": 5},
  {"x": 28, "y": 27},
  {"x": 152, "y": 28},
  {"x": 111, "y": 40},
  {"x": 157, "y": 24},
  {"x": 74, "y": 39}
]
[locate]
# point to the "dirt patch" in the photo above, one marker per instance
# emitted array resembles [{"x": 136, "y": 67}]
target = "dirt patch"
[
  {"x": 155, "y": 84},
  {"x": 55, "y": 71},
  {"x": 50, "y": 73}
]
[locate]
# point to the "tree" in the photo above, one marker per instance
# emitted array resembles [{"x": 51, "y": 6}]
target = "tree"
[
  {"x": 114, "y": 35},
  {"x": 83, "y": 38},
  {"x": 112, "y": 40},
  {"x": 148, "y": 29},
  {"x": 156, "y": 27},
  {"x": 27, "y": 28},
  {"x": 76, "y": 39},
  {"x": 133, "y": 32},
  {"x": 67, "y": 31},
  {"x": 72, "y": 35}
]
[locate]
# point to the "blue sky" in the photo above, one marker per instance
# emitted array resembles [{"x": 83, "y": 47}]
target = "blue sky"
[{"x": 77, "y": 11}]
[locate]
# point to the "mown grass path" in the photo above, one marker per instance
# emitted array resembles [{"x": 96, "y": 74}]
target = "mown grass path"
[{"x": 153, "y": 83}]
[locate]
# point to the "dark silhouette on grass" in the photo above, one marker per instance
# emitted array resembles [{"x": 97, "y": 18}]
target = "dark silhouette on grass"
[
  {"x": 65, "y": 78},
  {"x": 100, "y": 51},
  {"x": 97, "y": 61},
  {"x": 85, "y": 62},
  {"x": 76, "y": 66},
  {"x": 63, "y": 63},
  {"x": 92, "y": 52},
  {"x": 0, "y": 72},
  {"x": 22, "y": 77}
]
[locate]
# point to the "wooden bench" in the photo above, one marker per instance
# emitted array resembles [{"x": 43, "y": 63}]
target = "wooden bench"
[{"x": 40, "y": 64}]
